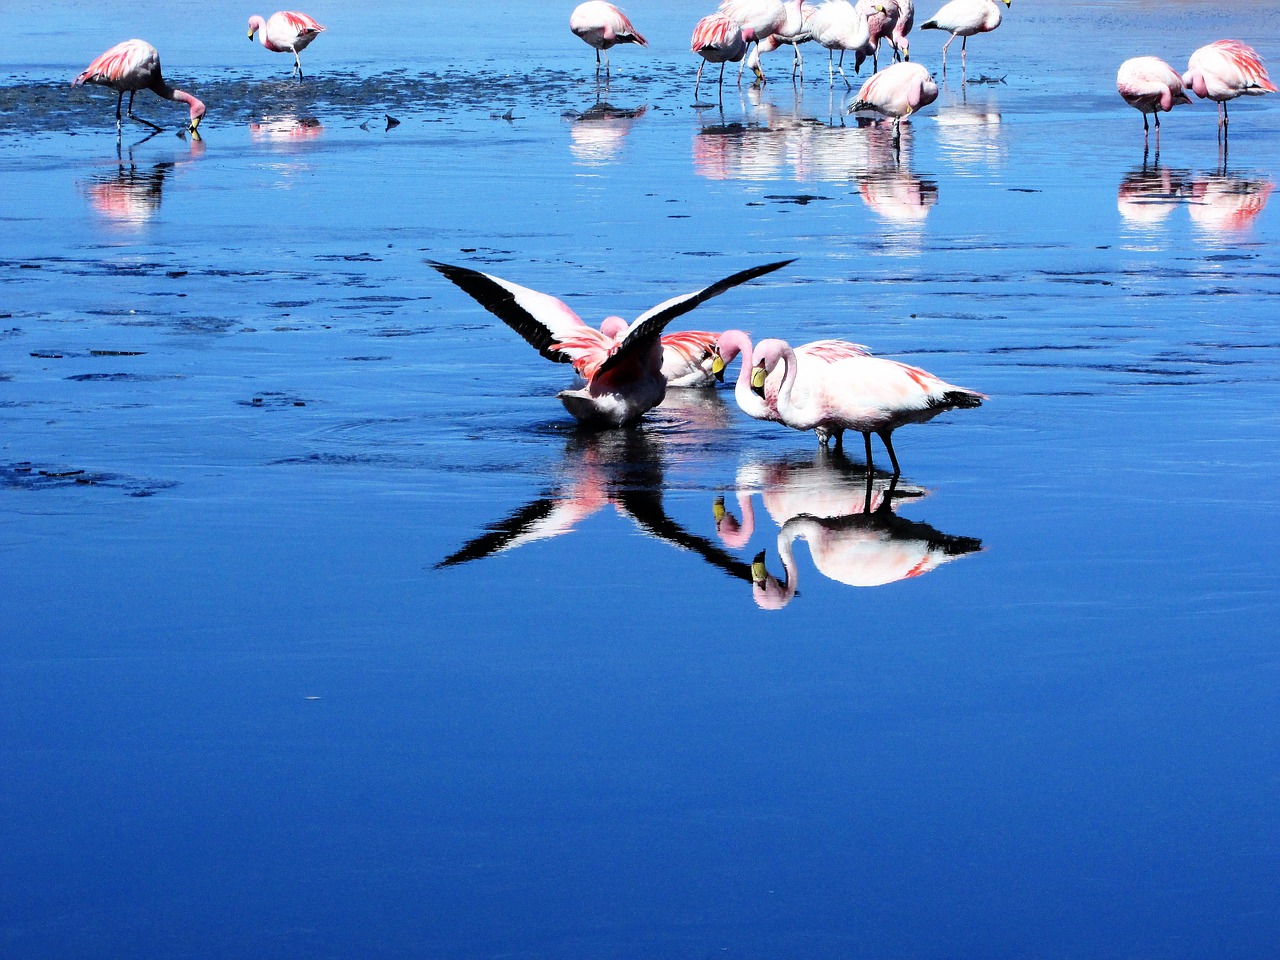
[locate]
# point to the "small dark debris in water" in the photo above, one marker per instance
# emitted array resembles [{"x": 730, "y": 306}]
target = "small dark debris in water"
[
  {"x": 677, "y": 216},
  {"x": 25, "y": 475},
  {"x": 45, "y": 355},
  {"x": 6, "y": 316},
  {"x": 509, "y": 116},
  {"x": 64, "y": 473},
  {"x": 274, "y": 400},
  {"x": 122, "y": 377},
  {"x": 467, "y": 249},
  {"x": 985, "y": 79},
  {"x": 803, "y": 199},
  {"x": 365, "y": 359},
  {"x": 755, "y": 203},
  {"x": 309, "y": 122},
  {"x": 1024, "y": 190},
  {"x": 29, "y": 266},
  {"x": 117, "y": 353},
  {"x": 391, "y": 122},
  {"x": 175, "y": 274}
]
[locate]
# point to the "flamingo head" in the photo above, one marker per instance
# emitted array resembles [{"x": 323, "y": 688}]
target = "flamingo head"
[
  {"x": 613, "y": 327},
  {"x": 256, "y": 23},
  {"x": 767, "y": 590},
  {"x": 768, "y": 353},
  {"x": 728, "y": 345}
]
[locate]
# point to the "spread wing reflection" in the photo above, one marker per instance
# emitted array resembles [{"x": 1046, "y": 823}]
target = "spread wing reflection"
[
  {"x": 845, "y": 514},
  {"x": 622, "y": 468}
]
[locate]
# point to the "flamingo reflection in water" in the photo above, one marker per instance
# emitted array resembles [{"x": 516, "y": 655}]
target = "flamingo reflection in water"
[
  {"x": 598, "y": 133},
  {"x": 1221, "y": 203},
  {"x": 130, "y": 195},
  {"x": 619, "y": 468},
  {"x": 285, "y": 129},
  {"x": 845, "y": 513}
]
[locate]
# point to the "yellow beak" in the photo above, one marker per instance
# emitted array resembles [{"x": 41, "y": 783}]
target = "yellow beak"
[{"x": 757, "y": 378}]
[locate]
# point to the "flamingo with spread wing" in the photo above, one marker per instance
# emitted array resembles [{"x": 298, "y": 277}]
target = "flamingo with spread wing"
[{"x": 627, "y": 367}]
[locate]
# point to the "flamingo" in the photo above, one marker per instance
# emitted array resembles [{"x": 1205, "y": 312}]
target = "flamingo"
[
  {"x": 882, "y": 21},
  {"x": 964, "y": 18},
  {"x": 135, "y": 65},
  {"x": 718, "y": 39},
  {"x": 1150, "y": 85},
  {"x": 897, "y": 91},
  {"x": 602, "y": 25},
  {"x": 1224, "y": 70},
  {"x": 855, "y": 392},
  {"x": 622, "y": 363},
  {"x": 906, "y": 19},
  {"x": 286, "y": 31},
  {"x": 837, "y": 25},
  {"x": 764, "y": 18},
  {"x": 869, "y": 549}
]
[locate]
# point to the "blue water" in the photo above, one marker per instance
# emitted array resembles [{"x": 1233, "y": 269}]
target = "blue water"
[{"x": 266, "y": 689}]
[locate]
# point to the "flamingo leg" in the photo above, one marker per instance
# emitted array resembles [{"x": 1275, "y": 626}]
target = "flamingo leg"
[
  {"x": 722, "y": 82},
  {"x": 147, "y": 123},
  {"x": 885, "y": 437},
  {"x": 297, "y": 64},
  {"x": 119, "y": 101},
  {"x": 847, "y": 84},
  {"x": 866, "y": 436},
  {"x": 944, "y": 53},
  {"x": 964, "y": 53},
  {"x": 698, "y": 79}
]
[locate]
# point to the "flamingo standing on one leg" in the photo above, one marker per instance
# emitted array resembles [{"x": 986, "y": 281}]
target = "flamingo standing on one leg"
[
  {"x": 132, "y": 66},
  {"x": 286, "y": 31},
  {"x": 1150, "y": 85},
  {"x": 1224, "y": 70},
  {"x": 855, "y": 392},
  {"x": 718, "y": 39},
  {"x": 897, "y": 91},
  {"x": 622, "y": 363},
  {"x": 965, "y": 18},
  {"x": 602, "y": 25}
]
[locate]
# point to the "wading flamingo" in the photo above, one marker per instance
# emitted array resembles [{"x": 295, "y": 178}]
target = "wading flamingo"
[
  {"x": 285, "y": 31},
  {"x": 964, "y": 18},
  {"x": 622, "y": 363},
  {"x": 837, "y": 25},
  {"x": 602, "y": 25},
  {"x": 882, "y": 21},
  {"x": 764, "y": 18},
  {"x": 1150, "y": 85},
  {"x": 132, "y": 66},
  {"x": 718, "y": 39},
  {"x": 1224, "y": 70},
  {"x": 859, "y": 392},
  {"x": 906, "y": 19},
  {"x": 897, "y": 91}
]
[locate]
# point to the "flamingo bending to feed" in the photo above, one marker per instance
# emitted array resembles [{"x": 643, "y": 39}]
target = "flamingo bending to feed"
[
  {"x": 1224, "y": 70},
  {"x": 964, "y": 19},
  {"x": 602, "y": 25},
  {"x": 132, "y": 66},
  {"x": 286, "y": 31},
  {"x": 855, "y": 392},
  {"x": 837, "y": 25},
  {"x": 718, "y": 39},
  {"x": 897, "y": 91},
  {"x": 882, "y": 21},
  {"x": 906, "y": 19},
  {"x": 1150, "y": 85},
  {"x": 622, "y": 363}
]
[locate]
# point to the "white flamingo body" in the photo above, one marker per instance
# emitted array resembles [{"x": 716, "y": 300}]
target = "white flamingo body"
[
  {"x": 965, "y": 18},
  {"x": 837, "y": 25},
  {"x": 621, "y": 363},
  {"x": 286, "y": 31},
  {"x": 765, "y": 18},
  {"x": 857, "y": 392}
]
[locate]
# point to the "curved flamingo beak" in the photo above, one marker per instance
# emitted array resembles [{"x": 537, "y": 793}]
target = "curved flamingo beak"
[
  {"x": 717, "y": 368},
  {"x": 717, "y": 510},
  {"x": 758, "y": 376},
  {"x": 758, "y": 571},
  {"x": 251, "y": 33}
]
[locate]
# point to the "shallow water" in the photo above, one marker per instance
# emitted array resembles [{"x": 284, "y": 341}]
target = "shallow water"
[{"x": 327, "y": 634}]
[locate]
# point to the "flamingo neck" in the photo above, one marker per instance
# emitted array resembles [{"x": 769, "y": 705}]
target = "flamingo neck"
[
  {"x": 787, "y": 555},
  {"x": 259, "y": 26},
  {"x": 787, "y": 357}
]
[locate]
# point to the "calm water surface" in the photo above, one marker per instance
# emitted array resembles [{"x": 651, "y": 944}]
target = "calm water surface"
[{"x": 326, "y": 634}]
